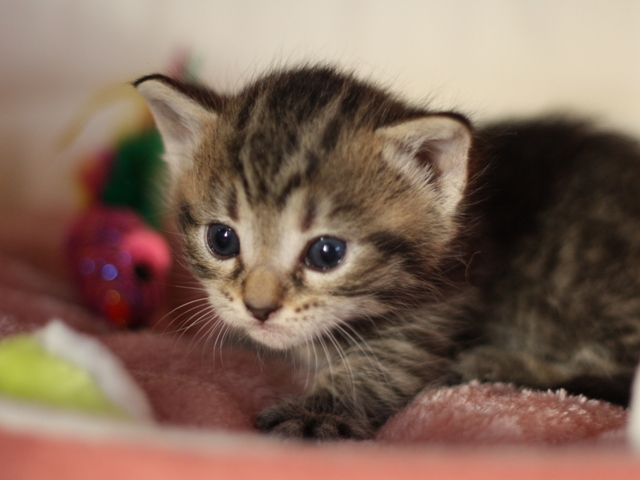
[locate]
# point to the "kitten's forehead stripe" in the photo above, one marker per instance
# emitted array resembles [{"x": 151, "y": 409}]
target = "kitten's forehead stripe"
[
  {"x": 249, "y": 102},
  {"x": 313, "y": 163},
  {"x": 293, "y": 183},
  {"x": 354, "y": 97},
  {"x": 292, "y": 141},
  {"x": 297, "y": 179},
  {"x": 331, "y": 134},
  {"x": 303, "y": 92},
  {"x": 343, "y": 207},
  {"x": 241, "y": 123},
  {"x": 232, "y": 204},
  {"x": 309, "y": 216}
]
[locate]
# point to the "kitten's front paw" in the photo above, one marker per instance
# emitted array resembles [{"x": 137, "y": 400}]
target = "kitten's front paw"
[{"x": 313, "y": 418}]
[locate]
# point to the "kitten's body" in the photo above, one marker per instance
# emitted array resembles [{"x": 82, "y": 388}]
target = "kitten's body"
[
  {"x": 514, "y": 260},
  {"x": 561, "y": 276}
]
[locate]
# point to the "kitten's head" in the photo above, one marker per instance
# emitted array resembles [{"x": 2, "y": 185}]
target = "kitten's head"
[{"x": 310, "y": 200}]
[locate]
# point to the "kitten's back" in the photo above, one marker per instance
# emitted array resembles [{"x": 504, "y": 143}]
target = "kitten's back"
[{"x": 561, "y": 274}]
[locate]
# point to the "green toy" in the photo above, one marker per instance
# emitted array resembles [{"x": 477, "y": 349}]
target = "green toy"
[{"x": 59, "y": 368}]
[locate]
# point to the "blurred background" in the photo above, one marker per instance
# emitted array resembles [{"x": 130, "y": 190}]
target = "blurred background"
[{"x": 489, "y": 59}]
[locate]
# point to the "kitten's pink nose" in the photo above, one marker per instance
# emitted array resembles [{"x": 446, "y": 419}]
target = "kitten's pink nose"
[
  {"x": 261, "y": 314},
  {"x": 262, "y": 292}
]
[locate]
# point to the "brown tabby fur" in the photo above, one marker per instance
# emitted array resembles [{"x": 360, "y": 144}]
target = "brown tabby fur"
[{"x": 532, "y": 276}]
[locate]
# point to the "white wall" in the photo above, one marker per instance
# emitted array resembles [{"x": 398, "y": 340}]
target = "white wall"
[{"x": 485, "y": 57}]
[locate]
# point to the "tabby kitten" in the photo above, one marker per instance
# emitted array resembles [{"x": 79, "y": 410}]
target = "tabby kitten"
[{"x": 394, "y": 249}]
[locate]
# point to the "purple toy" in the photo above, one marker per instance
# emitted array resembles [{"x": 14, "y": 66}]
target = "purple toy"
[{"x": 120, "y": 264}]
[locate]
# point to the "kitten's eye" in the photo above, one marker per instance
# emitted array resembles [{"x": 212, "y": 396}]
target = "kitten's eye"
[
  {"x": 325, "y": 253},
  {"x": 223, "y": 240}
]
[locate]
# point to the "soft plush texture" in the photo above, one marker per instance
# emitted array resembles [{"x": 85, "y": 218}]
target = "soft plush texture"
[{"x": 192, "y": 387}]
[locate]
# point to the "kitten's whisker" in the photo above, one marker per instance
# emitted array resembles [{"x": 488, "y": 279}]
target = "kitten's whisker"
[
  {"x": 203, "y": 319},
  {"x": 218, "y": 345},
  {"x": 307, "y": 346},
  {"x": 329, "y": 360},
  {"x": 197, "y": 287},
  {"x": 345, "y": 361},
  {"x": 197, "y": 337},
  {"x": 315, "y": 357},
  {"x": 359, "y": 345},
  {"x": 185, "y": 328},
  {"x": 220, "y": 328},
  {"x": 195, "y": 304},
  {"x": 211, "y": 335},
  {"x": 183, "y": 305}
]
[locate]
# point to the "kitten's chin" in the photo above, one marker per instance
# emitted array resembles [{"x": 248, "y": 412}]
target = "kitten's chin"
[{"x": 275, "y": 337}]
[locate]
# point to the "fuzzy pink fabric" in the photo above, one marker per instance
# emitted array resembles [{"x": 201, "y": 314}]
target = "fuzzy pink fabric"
[
  {"x": 190, "y": 385},
  {"x": 498, "y": 414}
]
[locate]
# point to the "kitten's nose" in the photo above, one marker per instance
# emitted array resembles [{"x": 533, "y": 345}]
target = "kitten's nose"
[
  {"x": 262, "y": 292},
  {"x": 261, "y": 314}
]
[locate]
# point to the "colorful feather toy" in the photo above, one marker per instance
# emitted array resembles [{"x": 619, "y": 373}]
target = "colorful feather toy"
[{"x": 119, "y": 260}]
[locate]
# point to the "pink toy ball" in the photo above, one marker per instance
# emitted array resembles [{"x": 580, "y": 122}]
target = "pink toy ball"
[{"x": 120, "y": 265}]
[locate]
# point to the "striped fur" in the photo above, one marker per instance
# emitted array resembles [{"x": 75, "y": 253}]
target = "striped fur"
[{"x": 308, "y": 153}]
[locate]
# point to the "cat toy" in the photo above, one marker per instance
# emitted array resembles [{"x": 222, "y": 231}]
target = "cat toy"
[
  {"x": 56, "y": 372},
  {"x": 119, "y": 261}
]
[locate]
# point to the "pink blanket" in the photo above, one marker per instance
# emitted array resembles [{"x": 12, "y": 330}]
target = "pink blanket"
[{"x": 191, "y": 385}]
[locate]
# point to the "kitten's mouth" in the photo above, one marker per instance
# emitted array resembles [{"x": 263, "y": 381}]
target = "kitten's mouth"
[{"x": 274, "y": 336}]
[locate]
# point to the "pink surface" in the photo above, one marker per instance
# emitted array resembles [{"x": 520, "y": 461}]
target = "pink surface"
[
  {"x": 189, "y": 385},
  {"x": 30, "y": 456}
]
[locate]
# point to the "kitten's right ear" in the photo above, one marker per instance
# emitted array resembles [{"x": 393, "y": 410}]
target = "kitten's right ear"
[
  {"x": 432, "y": 150},
  {"x": 178, "y": 116}
]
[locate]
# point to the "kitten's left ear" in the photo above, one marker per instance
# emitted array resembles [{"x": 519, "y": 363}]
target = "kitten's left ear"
[
  {"x": 179, "y": 115},
  {"x": 433, "y": 150}
]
